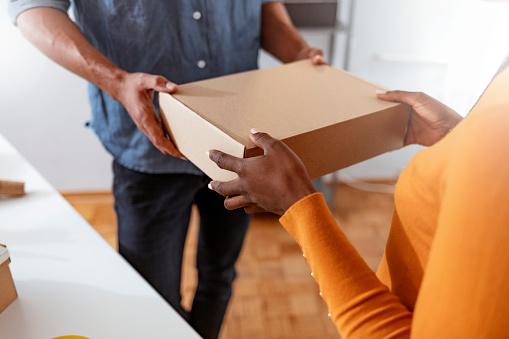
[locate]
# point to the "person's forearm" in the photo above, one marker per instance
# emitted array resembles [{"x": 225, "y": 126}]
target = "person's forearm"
[
  {"x": 279, "y": 36},
  {"x": 54, "y": 34},
  {"x": 359, "y": 304}
]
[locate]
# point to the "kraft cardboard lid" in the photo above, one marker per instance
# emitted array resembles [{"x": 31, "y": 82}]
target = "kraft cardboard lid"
[
  {"x": 4, "y": 254},
  {"x": 284, "y": 101}
]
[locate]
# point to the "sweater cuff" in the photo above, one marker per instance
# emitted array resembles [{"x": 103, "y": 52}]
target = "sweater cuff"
[{"x": 309, "y": 204}]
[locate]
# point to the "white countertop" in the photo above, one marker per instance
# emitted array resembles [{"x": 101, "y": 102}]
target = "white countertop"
[{"x": 68, "y": 279}]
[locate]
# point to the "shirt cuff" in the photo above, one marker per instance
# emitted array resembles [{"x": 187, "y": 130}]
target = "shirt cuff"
[{"x": 16, "y": 7}]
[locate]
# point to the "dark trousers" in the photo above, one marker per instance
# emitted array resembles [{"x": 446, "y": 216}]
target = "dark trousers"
[{"x": 153, "y": 212}]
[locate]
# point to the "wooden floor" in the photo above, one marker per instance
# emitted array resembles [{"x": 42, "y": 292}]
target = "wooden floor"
[{"x": 274, "y": 296}]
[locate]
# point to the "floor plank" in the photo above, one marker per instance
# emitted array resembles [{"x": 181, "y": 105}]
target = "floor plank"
[{"x": 274, "y": 296}]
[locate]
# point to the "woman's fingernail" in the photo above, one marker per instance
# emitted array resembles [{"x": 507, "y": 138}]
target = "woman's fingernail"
[
  {"x": 380, "y": 91},
  {"x": 208, "y": 154},
  {"x": 210, "y": 186},
  {"x": 170, "y": 86},
  {"x": 253, "y": 131}
]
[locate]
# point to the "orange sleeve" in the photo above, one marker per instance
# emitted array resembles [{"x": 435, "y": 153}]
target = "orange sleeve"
[
  {"x": 359, "y": 304},
  {"x": 465, "y": 290}
]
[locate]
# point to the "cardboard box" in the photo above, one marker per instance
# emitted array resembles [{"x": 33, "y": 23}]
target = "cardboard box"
[
  {"x": 330, "y": 118},
  {"x": 7, "y": 289},
  {"x": 12, "y": 188}
]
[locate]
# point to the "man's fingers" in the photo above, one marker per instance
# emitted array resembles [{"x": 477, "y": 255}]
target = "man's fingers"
[
  {"x": 316, "y": 56},
  {"x": 226, "y": 161},
  {"x": 262, "y": 140},
  {"x": 164, "y": 145},
  {"x": 228, "y": 188},
  {"x": 160, "y": 84},
  {"x": 151, "y": 127},
  {"x": 409, "y": 98},
  {"x": 167, "y": 136},
  {"x": 314, "y": 52},
  {"x": 318, "y": 60},
  {"x": 233, "y": 203}
]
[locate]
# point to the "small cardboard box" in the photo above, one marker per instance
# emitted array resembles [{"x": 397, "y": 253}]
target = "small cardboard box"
[
  {"x": 7, "y": 289},
  {"x": 329, "y": 117},
  {"x": 12, "y": 188}
]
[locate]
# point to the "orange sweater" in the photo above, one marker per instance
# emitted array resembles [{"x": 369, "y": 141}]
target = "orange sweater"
[{"x": 445, "y": 271}]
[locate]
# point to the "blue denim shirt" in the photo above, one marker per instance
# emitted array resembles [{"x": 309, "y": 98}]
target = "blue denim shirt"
[{"x": 183, "y": 40}]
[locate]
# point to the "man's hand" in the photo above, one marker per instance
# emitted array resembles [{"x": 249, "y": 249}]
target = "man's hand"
[
  {"x": 315, "y": 54},
  {"x": 430, "y": 119},
  {"x": 53, "y": 33},
  {"x": 272, "y": 182},
  {"x": 136, "y": 92}
]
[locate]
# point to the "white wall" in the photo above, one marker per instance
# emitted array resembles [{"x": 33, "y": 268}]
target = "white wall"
[{"x": 405, "y": 44}]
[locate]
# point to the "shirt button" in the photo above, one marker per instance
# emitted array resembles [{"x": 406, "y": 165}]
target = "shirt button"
[
  {"x": 197, "y": 15},
  {"x": 313, "y": 274},
  {"x": 329, "y": 314},
  {"x": 201, "y": 64}
]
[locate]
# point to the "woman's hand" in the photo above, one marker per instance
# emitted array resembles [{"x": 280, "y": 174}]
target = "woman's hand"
[
  {"x": 430, "y": 120},
  {"x": 271, "y": 182}
]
